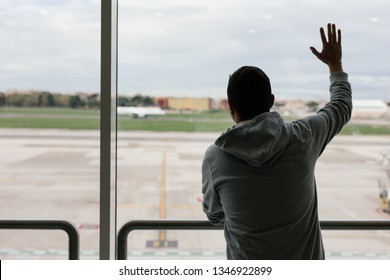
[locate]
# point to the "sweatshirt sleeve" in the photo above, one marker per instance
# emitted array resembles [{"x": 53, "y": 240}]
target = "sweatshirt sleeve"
[
  {"x": 212, "y": 206},
  {"x": 334, "y": 115}
]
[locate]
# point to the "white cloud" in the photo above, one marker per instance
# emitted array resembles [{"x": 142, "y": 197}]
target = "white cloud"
[{"x": 52, "y": 43}]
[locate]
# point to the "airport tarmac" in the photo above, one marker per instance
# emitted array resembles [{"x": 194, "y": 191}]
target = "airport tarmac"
[{"x": 54, "y": 174}]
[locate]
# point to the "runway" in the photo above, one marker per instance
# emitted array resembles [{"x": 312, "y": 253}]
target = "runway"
[{"x": 54, "y": 174}]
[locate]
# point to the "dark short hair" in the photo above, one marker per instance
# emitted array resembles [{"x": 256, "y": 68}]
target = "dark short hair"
[{"x": 249, "y": 91}]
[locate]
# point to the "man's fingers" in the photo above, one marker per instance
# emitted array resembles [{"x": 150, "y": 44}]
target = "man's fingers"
[
  {"x": 314, "y": 51},
  {"x": 330, "y": 36},
  {"x": 339, "y": 35},
  {"x": 323, "y": 37},
  {"x": 334, "y": 33}
]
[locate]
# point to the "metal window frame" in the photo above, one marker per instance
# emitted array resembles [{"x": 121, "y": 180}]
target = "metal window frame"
[{"x": 108, "y": 129}]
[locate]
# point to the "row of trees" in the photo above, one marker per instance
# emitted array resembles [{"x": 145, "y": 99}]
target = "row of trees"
[
  {"x": 137, "y": 100},
  {"x": 82, "y": 100},
  {"x": 48, "y": 99}
]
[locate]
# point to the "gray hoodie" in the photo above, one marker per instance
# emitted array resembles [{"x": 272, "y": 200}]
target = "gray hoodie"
[{"x": 258, "y": 180}]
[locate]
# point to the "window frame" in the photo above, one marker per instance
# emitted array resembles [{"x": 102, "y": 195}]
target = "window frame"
[{"x": 108, "y": 130}]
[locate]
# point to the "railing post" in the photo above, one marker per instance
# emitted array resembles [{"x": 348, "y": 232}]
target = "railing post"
[
  {"x": 155, "y": 225},
  {"x": 70, "y": 229},
  {"x": 206, "y": 225}
]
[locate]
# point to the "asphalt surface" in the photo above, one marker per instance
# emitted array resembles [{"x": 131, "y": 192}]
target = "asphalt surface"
[{"x": 54, "y": 174}]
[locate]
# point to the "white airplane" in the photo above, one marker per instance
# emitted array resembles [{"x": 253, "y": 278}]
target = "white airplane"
[{"x": 140, "y": 112}]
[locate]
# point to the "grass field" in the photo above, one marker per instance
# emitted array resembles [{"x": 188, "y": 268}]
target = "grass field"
[{"x": 212, "y": 121}]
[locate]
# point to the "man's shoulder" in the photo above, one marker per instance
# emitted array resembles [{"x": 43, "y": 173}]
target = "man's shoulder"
[
  {"x": 212, "y": 150},
  {"x": 212, "y": 153}
]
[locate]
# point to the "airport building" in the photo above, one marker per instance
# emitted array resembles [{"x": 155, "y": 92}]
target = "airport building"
[
  {"x": 369, "y": 109},
  {"x": 184, "y": 103}
]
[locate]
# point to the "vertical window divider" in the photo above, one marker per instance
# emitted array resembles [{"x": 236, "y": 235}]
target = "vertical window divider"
[{"x": 108, "y": 130}]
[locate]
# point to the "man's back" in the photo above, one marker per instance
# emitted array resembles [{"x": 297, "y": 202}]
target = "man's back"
[
  {"x": 258, "y": 180},
  {"x": 267, "y": 208}
]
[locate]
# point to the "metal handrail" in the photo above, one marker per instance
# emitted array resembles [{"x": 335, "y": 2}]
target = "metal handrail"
[
  {"x": 70, "y": 229},
  {"x": 206, "y": 225}
]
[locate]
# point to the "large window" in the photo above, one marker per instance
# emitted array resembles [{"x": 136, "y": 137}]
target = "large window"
[
  {"x": 49, "y": 119},
  {"x": 178, "y": 53},
  {"x": 174, "y": 60}
]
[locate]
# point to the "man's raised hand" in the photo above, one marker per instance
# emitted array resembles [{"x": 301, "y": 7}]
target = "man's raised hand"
[{"x": 331, "y": 49}]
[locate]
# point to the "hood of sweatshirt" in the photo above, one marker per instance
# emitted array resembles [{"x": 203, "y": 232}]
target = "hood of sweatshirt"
[{"x": 259, "y": 142}]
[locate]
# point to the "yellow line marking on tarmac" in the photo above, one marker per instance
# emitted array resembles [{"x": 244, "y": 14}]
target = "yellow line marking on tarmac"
[{"x": 163, "y": 192}]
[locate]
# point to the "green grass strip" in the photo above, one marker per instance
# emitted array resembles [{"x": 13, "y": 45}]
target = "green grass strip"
[
  {"x": 211, "y": 121},
  {"x": 59, "y": 123}
]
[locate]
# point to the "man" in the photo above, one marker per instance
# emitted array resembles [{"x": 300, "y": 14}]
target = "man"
[{"x": 258, "y": 176}]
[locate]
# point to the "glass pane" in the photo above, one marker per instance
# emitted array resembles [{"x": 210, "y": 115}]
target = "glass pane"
[
  {"x": 49, "y": 124},
  {"x": 177, "y": 56}
]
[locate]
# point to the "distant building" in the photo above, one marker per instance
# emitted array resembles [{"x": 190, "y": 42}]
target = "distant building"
[
  {"x": 162, "y": 102},
  {"x": 369, "y": 108},
  {"x": 184, "y": 103},
  {"x": 223, "y": 104},
  {"x": 293, "y": 107}
]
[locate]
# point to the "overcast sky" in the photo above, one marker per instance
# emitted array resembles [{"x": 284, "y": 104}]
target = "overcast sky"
[{"x": 189, "y": 47}]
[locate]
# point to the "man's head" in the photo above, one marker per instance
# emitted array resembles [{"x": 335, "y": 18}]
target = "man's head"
[{"x": 249, "y": 93}]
